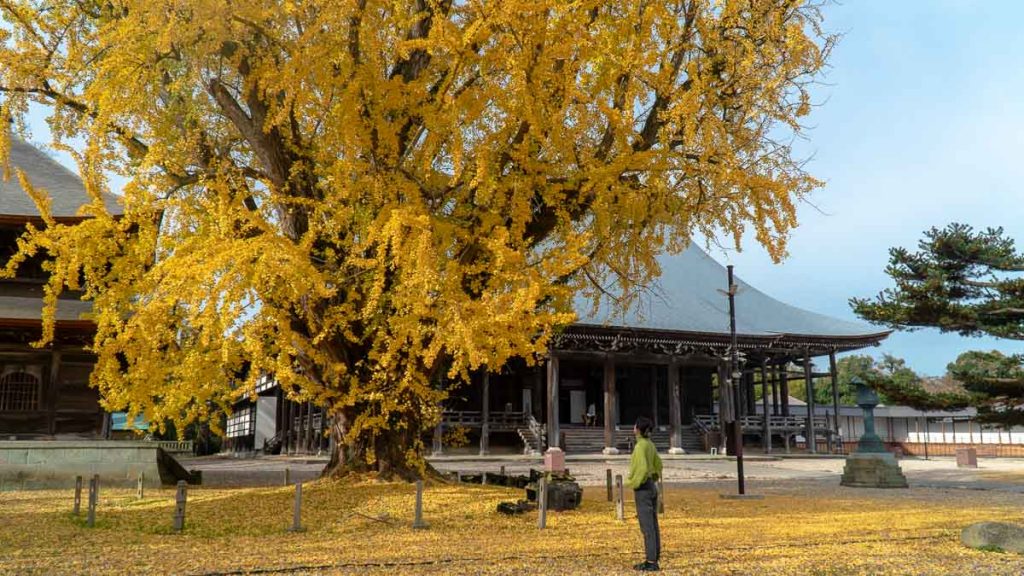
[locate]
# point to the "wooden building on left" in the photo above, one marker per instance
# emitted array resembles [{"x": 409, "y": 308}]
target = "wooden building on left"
[{"x": 44, "y": 392}]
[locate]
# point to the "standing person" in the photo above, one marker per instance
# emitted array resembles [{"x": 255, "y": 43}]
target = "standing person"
[{"x": 644, "y": 471}]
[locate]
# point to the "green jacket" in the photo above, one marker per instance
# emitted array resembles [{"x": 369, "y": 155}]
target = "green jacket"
[{"x": 644, "y": 464}]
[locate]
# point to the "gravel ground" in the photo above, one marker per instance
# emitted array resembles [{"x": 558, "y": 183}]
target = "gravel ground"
[{"x": 995, "y": 474}]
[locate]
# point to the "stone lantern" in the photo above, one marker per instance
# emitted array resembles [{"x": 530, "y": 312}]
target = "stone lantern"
[{"x": 871, "y": 466}]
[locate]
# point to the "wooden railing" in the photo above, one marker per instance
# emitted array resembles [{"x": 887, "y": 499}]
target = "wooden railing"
[
  {"x": 299, "y": 422},
  {"x": 498, "y": 420},
  {"x": 176, "y": 446},
  {"x": 708, "y": 422}
]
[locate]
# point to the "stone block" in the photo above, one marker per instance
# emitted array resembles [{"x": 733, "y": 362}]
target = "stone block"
[
  {"x": 873, "y": 470},
  {"x": 17, "y": 457},
  {"x": 42, "y": 456},
  {"x": 564, "y": 495},
  {"x": 966, "y": 458},
  {"x": 994, "y": 536}
]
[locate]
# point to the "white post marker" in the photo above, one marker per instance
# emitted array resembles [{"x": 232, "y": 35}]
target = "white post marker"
[
  {"x": 94, "y": 496},
  {"x": 179, "y": 506},
  {"x": 297, "y": 511},
  {"x": 542, "y": 503},
  {"x": 620, "y": 503},
  {"x": 78, "y": 495}
]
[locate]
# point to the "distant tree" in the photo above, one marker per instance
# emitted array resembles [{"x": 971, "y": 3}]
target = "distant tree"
[
  {"x": 888, "y": 370},
  {"x": 966, "y": 282}
]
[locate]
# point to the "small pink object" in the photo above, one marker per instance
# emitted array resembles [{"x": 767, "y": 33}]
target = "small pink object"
[{"x": 554, "y": 460}]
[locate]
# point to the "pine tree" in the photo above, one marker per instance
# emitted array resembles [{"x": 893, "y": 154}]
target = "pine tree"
[{"x": 969, "y": 283}]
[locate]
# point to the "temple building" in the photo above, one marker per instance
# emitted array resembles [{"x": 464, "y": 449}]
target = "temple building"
[
  {"x": 668, "y": 358},
  {"x": 44, "y": 392}
]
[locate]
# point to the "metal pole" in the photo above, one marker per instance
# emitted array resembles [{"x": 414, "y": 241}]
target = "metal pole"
[{"x": 734, "y": 379}]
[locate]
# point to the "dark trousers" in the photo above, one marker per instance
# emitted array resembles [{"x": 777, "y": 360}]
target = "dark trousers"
[{"x": 647, "y": 512}]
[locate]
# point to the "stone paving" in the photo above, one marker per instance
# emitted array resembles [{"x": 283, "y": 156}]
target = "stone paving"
[{"x": 999, "y": 474}]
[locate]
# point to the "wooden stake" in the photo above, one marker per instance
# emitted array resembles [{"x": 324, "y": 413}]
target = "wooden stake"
[
  {"x": 542, "y": 503},
  {"x": 661, "y": 497},
  {"x": 620, "y": 503},
  {"x": 297, "y": 512},
  {"x": 287, "y": 476},
  {"x": 94, "y": 496},
  {"x": 78, "y": 495},
  {"x": 139, "y": 490},
  {"x": 179, "y": 506},
  {"x": 418, "y": 522},
  {"x": 608, "y": 482},
  {"x": 502, "y": 469}
]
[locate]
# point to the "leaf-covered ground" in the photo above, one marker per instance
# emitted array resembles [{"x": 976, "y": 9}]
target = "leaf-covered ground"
[{"x": 360, "y": 528}]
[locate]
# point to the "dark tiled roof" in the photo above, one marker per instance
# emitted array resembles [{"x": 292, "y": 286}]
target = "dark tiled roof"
[{"x": 44, "y": 173}]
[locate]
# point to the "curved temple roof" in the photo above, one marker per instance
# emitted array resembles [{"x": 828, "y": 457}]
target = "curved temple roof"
[
  {"x": 690, "y": 298},
  {"x": 44, "y": 173}
]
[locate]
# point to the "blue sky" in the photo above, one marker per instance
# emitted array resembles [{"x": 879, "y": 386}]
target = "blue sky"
[{"x": 922, "y": 123}]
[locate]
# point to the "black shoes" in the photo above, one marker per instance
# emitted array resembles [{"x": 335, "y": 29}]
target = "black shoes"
[{"x": 647, "y": 567}]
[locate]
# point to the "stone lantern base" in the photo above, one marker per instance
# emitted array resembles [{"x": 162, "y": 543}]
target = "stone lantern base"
[{"x": 873, "y": 470}]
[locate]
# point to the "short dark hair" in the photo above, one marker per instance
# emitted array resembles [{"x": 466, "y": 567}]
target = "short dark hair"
[{"x": 644, "y": 425}]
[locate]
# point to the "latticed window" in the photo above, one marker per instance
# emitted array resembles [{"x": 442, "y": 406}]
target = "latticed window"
[
  {"x": 241, "y": 423},
  {"x": 19, "y": 392}
]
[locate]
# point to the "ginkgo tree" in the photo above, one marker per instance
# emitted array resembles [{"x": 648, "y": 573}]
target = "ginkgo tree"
[{"x": 362, "y": 196}]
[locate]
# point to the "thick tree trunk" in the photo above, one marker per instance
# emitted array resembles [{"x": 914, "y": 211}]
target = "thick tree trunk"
[{"x": 384, "y": 452}]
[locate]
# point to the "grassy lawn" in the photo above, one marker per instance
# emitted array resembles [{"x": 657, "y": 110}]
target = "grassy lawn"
[{"x": 361, "y": 528}]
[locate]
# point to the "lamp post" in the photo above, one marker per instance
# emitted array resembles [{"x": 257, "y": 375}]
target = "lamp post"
[{"x": 734, "y": 377}]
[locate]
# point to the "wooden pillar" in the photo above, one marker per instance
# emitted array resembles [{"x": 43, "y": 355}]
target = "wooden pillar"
[
  {"x": 784, "y": 389},
  {"x": 438, "y": 447},
  {"x": 833, "y": 375},
  {"x": 286, "y": 436},
  {"x": 52, "y": 391},
  {"x": 608, "y": 385},
  {"x": 322, "y": 431},
  {"x": 485, "y": 415},
  {"x": 300, "y": 426},
  {"x": 741, "y": 395},
  {"x": 775, "y": 389},
  {"x": 309, "y": 427},
  {"x": 538, "y": 393},
  {"x": 767, "y": 422},
  {"x": 653, "y": 375},
  {"x": 554, "y": 432},
  {"x": 809, "y": 386},
  {"x": 751, "y": 396},
  {"x": 674, "y": 409}
]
